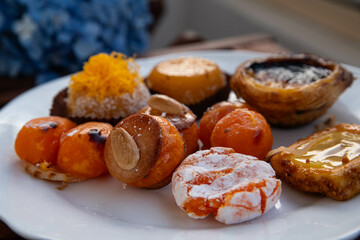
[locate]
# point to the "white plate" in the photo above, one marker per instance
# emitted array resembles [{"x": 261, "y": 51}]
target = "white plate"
[{"x": 102, "y": 209}]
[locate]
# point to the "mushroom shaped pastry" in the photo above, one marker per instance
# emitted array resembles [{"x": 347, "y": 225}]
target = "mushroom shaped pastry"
[
  {"x": 179, "y": 115},
  {"x": 143, "y": 151}
]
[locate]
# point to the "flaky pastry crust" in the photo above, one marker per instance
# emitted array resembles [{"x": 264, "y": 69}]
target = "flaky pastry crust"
[
  {"x": 341, "y": 182},
  {"x": 292, "y": 105}
]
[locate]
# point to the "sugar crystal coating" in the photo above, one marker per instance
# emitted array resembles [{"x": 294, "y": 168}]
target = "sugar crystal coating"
[{"x": 232, "y": 186}]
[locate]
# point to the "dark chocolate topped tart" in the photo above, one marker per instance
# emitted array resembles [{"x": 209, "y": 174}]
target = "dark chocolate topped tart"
[{"x": 291, "y": 89}]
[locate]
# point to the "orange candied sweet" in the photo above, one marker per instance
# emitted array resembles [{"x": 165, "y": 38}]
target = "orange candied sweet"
[
  {"x": 232, "y": 186},
  {"x": 213, "y": 115},
  {"x": 245, "y": 131},
  {"x": 190, "y": 136},
  {"x": 39, "y": 139},
  {"x": 81, "y": 151}
]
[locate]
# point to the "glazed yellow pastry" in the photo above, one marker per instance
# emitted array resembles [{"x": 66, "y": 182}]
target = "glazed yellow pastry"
[
  {"x": 189, "y": 80},
  {"x": 290, "y": 90},
  {"x": 327, "y": 162}
]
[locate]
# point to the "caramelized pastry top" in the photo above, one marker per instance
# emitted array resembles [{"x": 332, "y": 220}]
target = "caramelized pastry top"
[
  {"x": 189, "y": 80},
  {"x": 330, "y": 150},
  {"x": 186, "y": 67},
  {"x": 287, "y": 73},
  {"x": 327, "y": 162}
]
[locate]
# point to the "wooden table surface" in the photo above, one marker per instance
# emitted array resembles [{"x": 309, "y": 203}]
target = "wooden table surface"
[{"x": 253, "y": 42}]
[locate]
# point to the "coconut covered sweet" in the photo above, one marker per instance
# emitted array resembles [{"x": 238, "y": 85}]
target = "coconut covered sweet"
[{"x": 109, "y": 89}]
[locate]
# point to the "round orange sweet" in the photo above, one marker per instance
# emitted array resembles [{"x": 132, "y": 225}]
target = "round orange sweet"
[
  {"x": 190, "y": 136},
  {"x": 81, "y": 151},
  {"x": 39, "y": 139},
  {"x": 212, "y": 116},
  {"x": 245, "y": 131}
]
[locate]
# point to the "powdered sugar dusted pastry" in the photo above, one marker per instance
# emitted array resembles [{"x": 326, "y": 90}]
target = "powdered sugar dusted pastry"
[{"x": 233, "y": 186}]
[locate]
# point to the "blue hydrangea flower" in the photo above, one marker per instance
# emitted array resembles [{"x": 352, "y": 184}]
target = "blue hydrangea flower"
[{"x": 48, "y": 38}]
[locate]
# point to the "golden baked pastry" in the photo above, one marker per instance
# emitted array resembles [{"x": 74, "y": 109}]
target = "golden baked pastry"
[
  {"x": 194, "y": 81},
  {"x": 327, "y": 162},
  {"x": 290, "y": 89}
]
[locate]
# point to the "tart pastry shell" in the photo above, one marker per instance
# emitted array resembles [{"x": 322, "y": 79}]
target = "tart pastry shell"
[{"x": 295, "y": 106}]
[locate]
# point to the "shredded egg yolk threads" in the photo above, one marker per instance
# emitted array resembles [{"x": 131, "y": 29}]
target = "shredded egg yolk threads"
[{"x": 106, "y": 75}]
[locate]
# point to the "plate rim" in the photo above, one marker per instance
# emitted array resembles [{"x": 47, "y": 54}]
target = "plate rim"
[{"x": 17, "y": 229}]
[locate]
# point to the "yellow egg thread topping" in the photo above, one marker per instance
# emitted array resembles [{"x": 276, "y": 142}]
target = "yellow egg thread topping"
[{"x": 106, "y": 75}]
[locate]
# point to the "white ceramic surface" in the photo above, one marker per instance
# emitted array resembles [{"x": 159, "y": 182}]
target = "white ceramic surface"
[{"x": 104, "y": 209}]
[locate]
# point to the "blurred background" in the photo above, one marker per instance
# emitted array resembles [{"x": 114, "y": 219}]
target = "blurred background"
[
  {"x": 329, "y": 28},
  {"x": 41, "y": 40}
]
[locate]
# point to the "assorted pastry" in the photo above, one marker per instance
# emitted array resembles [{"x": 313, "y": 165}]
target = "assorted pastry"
[
  {"x": 232, "y": 186},
  {"x": 291, "y": 89},
  {"x": 179, "y": 115},
  {"x": 156, "y": 139},
  {"x": 327, "y": 162},
  {"x": 108, "y": 89},
  {"x": 196, "y": 82},
  {"x": 144, "y": 150}
]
